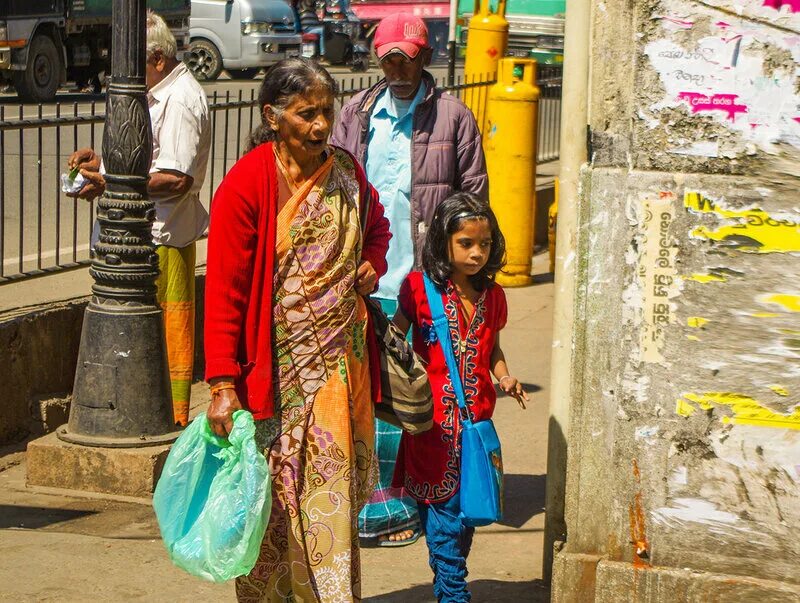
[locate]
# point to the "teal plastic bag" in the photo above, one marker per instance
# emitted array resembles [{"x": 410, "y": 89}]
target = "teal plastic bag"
[{"x": 213, "y": 500}]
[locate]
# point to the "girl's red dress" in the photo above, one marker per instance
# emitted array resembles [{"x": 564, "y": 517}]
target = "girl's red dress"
[{"x": 428, "y": 464}]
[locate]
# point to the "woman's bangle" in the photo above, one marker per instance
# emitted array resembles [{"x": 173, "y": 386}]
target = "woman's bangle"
[
  {"x": 505, "y": 377},
  {"x": 215, "y": 389}
]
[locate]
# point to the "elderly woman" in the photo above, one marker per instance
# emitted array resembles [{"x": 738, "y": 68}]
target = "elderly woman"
[{"x": 297, "y": 236}]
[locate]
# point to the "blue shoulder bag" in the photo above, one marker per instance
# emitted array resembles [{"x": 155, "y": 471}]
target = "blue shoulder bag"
[{"x": 481, "y": 489}]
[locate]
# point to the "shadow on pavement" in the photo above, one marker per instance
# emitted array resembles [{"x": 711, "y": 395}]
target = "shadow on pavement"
[
  {"x": 33, "y": 518},
  {"x": 524, "y": 497},
  {"x": 496, "y": 591},
  {"x": 530, "y": 388}
]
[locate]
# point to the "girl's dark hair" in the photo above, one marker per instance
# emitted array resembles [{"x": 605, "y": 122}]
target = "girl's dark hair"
[
  {"x": 448, "y": 219},
  {"x": 282, "y": 82}
]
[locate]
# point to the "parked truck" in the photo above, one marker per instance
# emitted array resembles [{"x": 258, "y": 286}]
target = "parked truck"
[
  {"x": 44, "y": 43},
  {"x": 241, "y": 36}
]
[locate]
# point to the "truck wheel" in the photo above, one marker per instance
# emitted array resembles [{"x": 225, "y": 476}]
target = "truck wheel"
[
  {"x": 41, "y": 78},
  {"x": 204, "y": 60},
  {"x": 243, "y": 74}
]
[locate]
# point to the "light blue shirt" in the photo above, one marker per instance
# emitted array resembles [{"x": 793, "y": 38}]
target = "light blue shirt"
[{"x": 389, "y": 171}]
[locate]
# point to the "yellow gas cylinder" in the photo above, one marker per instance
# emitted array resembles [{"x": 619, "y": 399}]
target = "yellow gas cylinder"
[
  {"x": 487, "y": 40},
  {"x": 510, "y": 147}
]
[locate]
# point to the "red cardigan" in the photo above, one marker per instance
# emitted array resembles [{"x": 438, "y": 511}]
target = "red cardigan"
[{"x": 239, "y": 277}]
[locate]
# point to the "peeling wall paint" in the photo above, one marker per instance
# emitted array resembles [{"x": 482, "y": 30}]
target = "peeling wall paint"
[
  {"x": 787, "y": 301},
  {"x": 748, "y": 230},
  {"x": 707, "y": 278},
  {"x": 742, "y": 76},
  {"x": 695, "y": 510},
  {"x": 746, "y": 410}
]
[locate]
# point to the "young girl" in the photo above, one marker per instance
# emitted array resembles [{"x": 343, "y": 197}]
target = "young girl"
[{"x": 463, "y": 251}]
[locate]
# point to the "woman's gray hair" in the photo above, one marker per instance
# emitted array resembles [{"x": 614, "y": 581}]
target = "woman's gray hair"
[
  {"x": 159, "y": 37},
  {"x": 283, "y": 81}
]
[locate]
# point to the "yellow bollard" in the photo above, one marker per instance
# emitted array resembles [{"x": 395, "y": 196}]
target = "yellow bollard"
[
  {"x": 487, "y": 41},
  {"x": 510, "y": 146}
]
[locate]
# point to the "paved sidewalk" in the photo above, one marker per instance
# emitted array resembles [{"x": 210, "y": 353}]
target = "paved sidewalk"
[{"x": 57, "y": 546}]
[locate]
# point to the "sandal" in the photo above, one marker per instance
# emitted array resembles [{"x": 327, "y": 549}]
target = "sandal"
[{"x": 395, "y": 543}]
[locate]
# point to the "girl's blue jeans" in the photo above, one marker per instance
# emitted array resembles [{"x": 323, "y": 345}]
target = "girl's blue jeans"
[{"x": 449, "y": 542}]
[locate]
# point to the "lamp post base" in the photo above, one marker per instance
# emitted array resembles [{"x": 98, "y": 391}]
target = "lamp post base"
[
  {"x": 122, "y": 395},
  {"x": 113, "y": 442}
]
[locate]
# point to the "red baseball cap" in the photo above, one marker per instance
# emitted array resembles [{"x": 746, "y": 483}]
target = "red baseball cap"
[{"x": 401, "y": 32}]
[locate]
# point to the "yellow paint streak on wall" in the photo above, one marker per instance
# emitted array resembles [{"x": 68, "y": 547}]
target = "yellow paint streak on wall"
[
  {"x": 746, "y": 410},
  {"x": 765, "y": 315},
  {"x": 789, "y": 302},
  {"x": 692, "y": 338},
  {"x": 696, "y": 321},
  {"x": 684, "y": 409},
  {"x": 706, "y": 278},
  {"x": 753, "y": 230},
  {"x": 779, "y": 389}
]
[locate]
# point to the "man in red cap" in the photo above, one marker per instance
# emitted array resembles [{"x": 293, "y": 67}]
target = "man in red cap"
[{"x": 418, "y": 145}]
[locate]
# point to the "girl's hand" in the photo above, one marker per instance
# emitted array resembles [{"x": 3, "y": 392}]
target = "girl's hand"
[
  {"x": 366, "y": 278},
  {"x": 513, "y": 388}
]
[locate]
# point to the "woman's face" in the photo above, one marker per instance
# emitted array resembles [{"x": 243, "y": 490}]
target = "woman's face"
[{"x": 304, "y": 126}]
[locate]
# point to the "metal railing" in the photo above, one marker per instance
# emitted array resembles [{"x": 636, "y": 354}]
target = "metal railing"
[
  {"x": 43, "y": 230},
  {"x": 548, "y": 78}
]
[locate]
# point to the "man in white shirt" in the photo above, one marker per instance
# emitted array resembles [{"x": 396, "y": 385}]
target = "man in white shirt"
[{"x": 180, "y": 120}]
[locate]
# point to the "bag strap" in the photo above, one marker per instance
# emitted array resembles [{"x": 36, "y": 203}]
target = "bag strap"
[{"x": 442, "y": 328}]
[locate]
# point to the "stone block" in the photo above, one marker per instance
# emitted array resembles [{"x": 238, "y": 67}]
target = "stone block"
[
  {"x": 620, "y": 581},
  {"x": 581, "y": 578},
  {"x": 574, "y": 577},
  {"x": 121, "y": 471}
]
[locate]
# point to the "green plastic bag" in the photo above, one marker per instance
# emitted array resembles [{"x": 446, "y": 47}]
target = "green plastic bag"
[{"x": 213, "y": 500}]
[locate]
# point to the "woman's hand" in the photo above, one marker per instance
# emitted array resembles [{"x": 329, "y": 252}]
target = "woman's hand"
[
  {"x": 366, "y": 278},
  {"x": 513, "y": 388},
  {"x": 220, "y": 412}
]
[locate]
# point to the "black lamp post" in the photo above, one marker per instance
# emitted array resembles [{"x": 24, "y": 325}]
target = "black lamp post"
[{"x": 122, "y": 395}]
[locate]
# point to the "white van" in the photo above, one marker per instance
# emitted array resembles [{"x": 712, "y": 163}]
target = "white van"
[{"x": 241, "y": 36}]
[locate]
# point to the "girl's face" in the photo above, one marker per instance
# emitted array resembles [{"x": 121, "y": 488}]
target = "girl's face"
[
  {"x": 470, "y": 247},
  {"x": 305, "y": 124}
]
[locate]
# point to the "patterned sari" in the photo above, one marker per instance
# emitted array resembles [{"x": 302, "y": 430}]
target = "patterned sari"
[{"x": 320, "y": 444}]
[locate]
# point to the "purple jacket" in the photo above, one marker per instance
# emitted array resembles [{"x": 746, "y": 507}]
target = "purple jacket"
[{"x": 446, "y": 151}]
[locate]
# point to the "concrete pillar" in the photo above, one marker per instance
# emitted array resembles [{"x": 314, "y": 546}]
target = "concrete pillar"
[
  {"x": 683, "y": 473},
  {"x": 573, "y": 157}
]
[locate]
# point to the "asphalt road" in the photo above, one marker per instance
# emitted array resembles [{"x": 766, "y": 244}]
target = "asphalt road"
[{"x": 11, "y": 109}]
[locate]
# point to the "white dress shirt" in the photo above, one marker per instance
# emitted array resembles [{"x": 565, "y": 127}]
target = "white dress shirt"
[{"x": 181, "y": 125}]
